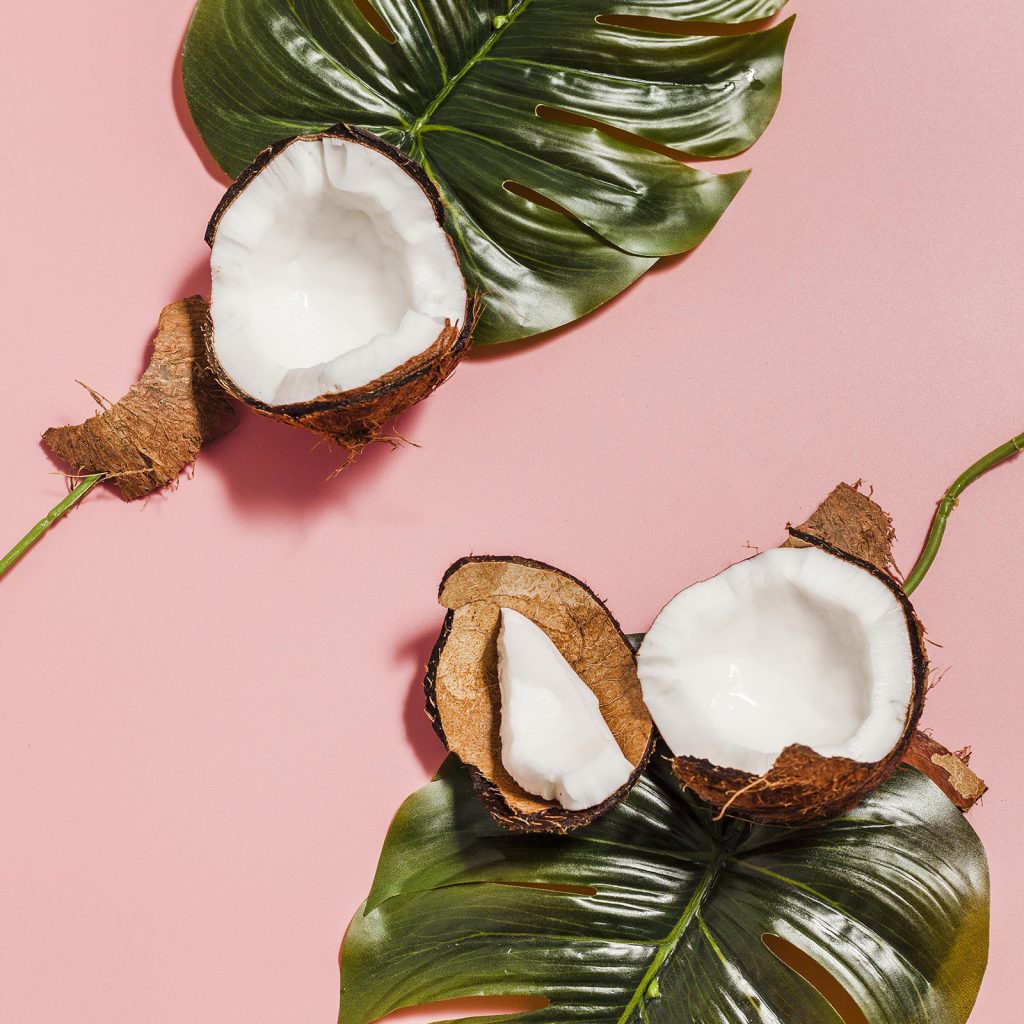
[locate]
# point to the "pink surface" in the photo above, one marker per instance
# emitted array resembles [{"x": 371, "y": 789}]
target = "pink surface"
[{"x": 210, "y": 701}]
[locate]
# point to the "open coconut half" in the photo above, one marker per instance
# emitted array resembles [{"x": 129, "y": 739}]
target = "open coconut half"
[
  {"x": 788, "y": 686},
  {"x": 337, "y": 297},
  {"x": 533, "y": 685}
]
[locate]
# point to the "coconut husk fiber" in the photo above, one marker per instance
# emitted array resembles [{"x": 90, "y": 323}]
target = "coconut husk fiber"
[
  {"x": 143, "y": 441},
  {"x": 848, "y": 519},
  {"x": 462, "y": 693}
]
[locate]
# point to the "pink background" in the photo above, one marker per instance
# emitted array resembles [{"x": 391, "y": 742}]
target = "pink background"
[{"x": 211, "y": 701}]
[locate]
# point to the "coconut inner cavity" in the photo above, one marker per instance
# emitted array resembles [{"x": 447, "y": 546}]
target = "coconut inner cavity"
[
  {"x": 554, "y": 740},
  {"x": 792, "y": 646},
  {"x": 329, "y": 269}
]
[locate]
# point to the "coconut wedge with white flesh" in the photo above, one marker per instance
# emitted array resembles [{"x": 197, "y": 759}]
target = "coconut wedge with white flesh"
[
  {"x": 337, "y": 297},
  {"x": 464, "y": 692},
  {"x": 554, "y": 741},
  {"x": 788, "y": 686}
]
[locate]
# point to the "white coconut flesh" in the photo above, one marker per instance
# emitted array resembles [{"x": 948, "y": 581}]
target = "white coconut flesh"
[
  {"x": 554, "y": 740},
  {"x": 329, "y": 269},
  {"x": 792, "y": 646}
]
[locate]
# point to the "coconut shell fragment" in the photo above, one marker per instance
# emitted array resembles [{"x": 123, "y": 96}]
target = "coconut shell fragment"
[
  {"x": 848, "y": 519},
  {"x": 462, "y": 691},
  {"x": 950, "y": 772},
  {"x": 142, "y": 442}
]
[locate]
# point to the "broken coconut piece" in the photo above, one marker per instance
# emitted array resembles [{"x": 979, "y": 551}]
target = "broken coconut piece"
[
  {"x": 463, "y": 689},
  {"x": 788, "y": 686},
  {"x": 337, "y": 299},
  {"x": 950, "y": 772},
  {"x": 851, "y": 521},
  {"x": 143, "y": 441},
  {"x": 554, "y": 741}
]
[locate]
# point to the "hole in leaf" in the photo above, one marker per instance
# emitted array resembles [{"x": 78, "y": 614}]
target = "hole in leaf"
[
  {"x": 517, "y": 188},
  {"x": 376, "y": 20},
  {"x": 471, "y": 1006},
  {"x": 817, "y": 976},
  {"x": 668, "y": 27},
  {"x": 619, "y": 134},
  {"x": 525, "y": 192},
  {"x": 572, "y": 890}
]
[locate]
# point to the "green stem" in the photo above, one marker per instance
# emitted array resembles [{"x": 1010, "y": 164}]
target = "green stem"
[
  {"x": 949, "y": 502},
  {"x": 74, "y": 497}
]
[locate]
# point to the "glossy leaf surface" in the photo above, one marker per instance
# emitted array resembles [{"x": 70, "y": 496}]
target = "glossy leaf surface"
[
  {"x": 477, "y": 91},
  {"x": 665, "y": 919}
]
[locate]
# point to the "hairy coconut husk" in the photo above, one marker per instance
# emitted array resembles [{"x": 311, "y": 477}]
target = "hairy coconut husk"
[
  {"x": 950, "y": 772},
  {"x": 463, "y": 698},
  {"x": 143, "y": 441},
  {"x": 803, "y": 786},
  {"x": 849, "y": 520},
  {"x": 354, "y": 418}
]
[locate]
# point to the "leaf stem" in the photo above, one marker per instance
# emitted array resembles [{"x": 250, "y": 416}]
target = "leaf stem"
[
  {"x": 949, "y": 502},
  {"x": 84, "y": 486}
]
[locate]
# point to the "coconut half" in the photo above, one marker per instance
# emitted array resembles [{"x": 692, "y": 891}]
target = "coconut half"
[
  {"x": 337, "y": 297},
  {"x": 530, "y": 706},
  {"x": 788, "y": 686}
]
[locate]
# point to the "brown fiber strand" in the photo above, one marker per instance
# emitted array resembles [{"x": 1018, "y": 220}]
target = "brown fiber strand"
[{"x": 850, "y": 520}]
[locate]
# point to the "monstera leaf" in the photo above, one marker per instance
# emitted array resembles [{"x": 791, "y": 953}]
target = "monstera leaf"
[
  {"x": 582, "y": 109},
  {"x": 661, "y": 913}
]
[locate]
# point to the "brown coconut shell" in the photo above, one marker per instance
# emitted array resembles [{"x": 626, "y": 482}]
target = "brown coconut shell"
[
  {"x": 463, "y": 698},
  {"x": 802, "y": 786},
  {"x": 851, "y": 521},
  {"x": 355, "y": 418},
  {"x": 950, "y": 772},
  {"x": 143, "y": 441}
]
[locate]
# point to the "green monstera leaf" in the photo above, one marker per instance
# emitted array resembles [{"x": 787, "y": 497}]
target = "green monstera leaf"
[
  {"x": 554, "y": 130},
  {"x": 662, "y": 912}
]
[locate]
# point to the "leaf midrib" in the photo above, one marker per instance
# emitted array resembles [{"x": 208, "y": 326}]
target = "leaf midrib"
[
  {"x": 667, "y": 946},
  {"x": 485, "y": 48}
]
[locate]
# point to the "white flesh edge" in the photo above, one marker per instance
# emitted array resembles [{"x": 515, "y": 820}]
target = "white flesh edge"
[
  {"x": 793, "y": 645},
  {"x": 554, "y": 740},
  {"x": 329, "y": 269}
]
